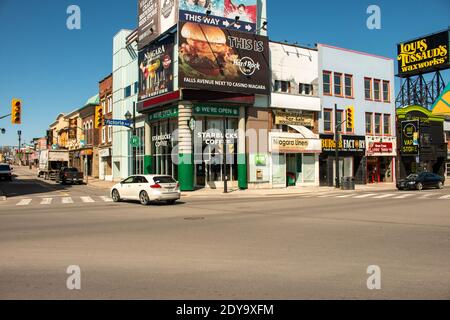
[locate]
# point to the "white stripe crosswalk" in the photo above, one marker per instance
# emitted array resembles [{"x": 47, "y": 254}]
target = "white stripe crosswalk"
[
  {"x": 87, "y": 199},
  {"x": 62, "y": 200},
  {"x": 46, "y": 201},
  {"x": 67, "y": 200},
  {"x": 24, "y": 202}
]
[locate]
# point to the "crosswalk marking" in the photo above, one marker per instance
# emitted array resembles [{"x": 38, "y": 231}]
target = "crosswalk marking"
[
  {"x": 425, "y": 196},
  {"x": 329, "y": 195},
  {"x": 87, "y": 199},
  {"x": 46, "y": 201},
  {"x": 106, "y": 199},
  {"x": 447, "y": 197},
  {"x": 365, "y": 196},
  {"x": 404, "y": 196},
  {"x": 67, "y": 200},
  {"x": 24, "y": 202},
  {"x": 346, "y": 195},
  {"x": 384, "y": 196}
]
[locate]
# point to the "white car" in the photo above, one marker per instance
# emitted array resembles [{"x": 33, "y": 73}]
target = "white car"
[{"x": 147, "y": 188}]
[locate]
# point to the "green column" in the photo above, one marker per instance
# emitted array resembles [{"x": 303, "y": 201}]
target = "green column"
[
  {"x": 242, "y": 171},
  {"x": 148, "y": 164},
  {"x": 186, "y": 172}
]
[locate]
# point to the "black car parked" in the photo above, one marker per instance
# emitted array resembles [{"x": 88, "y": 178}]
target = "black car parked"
[{"x": 421, "y": 181}]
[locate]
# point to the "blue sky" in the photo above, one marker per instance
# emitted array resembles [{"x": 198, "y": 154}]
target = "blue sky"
[{"x": 56, "y": 70}]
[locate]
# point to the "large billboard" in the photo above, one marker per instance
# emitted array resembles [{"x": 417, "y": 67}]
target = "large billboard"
[
  {"x": 216, "y": 59},
  {"x": 425, "y": 54},
  {"x": 156, "y": 69},
  {"x": 221, "y": 13},
  {"x": 155, "y": 18}
]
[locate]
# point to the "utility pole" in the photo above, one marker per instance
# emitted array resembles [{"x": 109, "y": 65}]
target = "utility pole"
[
  {"x": 19, "y": 133},
  {"x": 336, "y": 149},
  {"x": 134, "y": 134}
]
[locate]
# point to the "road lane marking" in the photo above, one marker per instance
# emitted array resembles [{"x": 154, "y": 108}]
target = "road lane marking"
[
  {"x": 46, "y": 201},
  {"x": 24, "y": 202},
  {"x": 447, "y": 197},
  {"x": 425, "y": 196},
  {"x": 87, "y": 199},
  {"x": 328, "y": 195},
  {"x": 384, "y": 196},
  {"x": 106, "y": 199},
  {"x": 67, "y": 200},
  {"x": 404, "y": 196},
  {"x": 346, "y": 195},
  {"x": 365, "y": 196}
]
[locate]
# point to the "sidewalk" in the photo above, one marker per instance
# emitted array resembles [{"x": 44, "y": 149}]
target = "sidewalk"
[
  {"x": 100, "y": 184},
  {"x": 203, "y": 193}
]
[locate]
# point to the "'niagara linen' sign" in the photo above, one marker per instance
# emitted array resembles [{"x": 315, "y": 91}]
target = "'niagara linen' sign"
[{"x": 424, "y": 55}]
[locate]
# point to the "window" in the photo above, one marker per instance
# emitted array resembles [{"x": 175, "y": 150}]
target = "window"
[
  {"x": 127, "y": 91},
  {"x": 282, "y": 86},
  {"x": 109, "y": 133},
  {"x": 387, "y": 124},
  {"x": 386, "y": 93},
  {"x": 368, "y": 88},
  {"x": 327, "y": 83},
  {"x": 327, "y": 120},
  {"x": 378, "y": 123},
  {"x": 338, "y": 84},
  {"x": 136, "y": 87},
  {"x": 376, "y": 90},
  {"x": 369, "y": 129},
  {"x": 305, "y": 89},
  {"x": 103, "y": 134},
  {"x": 339, "y": 119},
  {"x": 348, "y": 83}
]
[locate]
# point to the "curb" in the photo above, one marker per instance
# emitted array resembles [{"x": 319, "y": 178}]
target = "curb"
[{"x": 2, "y": 195}]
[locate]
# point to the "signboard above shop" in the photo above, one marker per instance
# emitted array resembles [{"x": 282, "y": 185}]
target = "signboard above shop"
[
  {"x": 222, "y": 13},
  {"x": 292, "y": 143},
  {"x": 212, "y": 110},
  {"x": 171, "y": 112},
  {"x": 294, "y": 118},
  {"x": 217, "y": 59},
  {"x": 347, "y": 144},
  {"x": 410, "y": 138},
  {"x": 381, "y": 146},
  {"x": 425, "y": 54}
]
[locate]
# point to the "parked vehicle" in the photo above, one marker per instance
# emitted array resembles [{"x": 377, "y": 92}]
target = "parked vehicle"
[
  {"x": 147, "y": 188},
  {"x": 51, "y": 162},
  {"x": 421, "y": 181},
  {"x": 69, "y": 175},
  {"x": 5, "y": 172}
]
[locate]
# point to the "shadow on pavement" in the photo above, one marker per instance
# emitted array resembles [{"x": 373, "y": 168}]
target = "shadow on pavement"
[{"x": 27, "y": 187}]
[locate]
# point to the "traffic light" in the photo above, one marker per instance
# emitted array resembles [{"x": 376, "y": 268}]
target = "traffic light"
[
  {"x": 350, "y": 116},
  {"x": 98, "y": 117},
  {"x": 16, "y": 111}
]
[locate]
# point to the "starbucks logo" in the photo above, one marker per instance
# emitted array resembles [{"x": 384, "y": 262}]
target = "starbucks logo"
[{"x": 167, "y": 7}]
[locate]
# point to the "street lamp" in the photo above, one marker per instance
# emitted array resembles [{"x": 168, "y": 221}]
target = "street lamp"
[{"x": 132, "y": 117}]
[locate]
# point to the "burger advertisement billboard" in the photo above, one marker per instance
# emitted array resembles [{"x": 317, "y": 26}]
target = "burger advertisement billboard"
[
  {"x": 221, "y": 13},
  {"x": 216, "y": 59},
  {"x": 156, "y": 69},
  {"x": 424, "y": 55}
]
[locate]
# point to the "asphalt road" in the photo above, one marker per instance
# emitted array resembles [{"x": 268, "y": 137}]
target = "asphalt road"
[{"x": 281, "y": 247}]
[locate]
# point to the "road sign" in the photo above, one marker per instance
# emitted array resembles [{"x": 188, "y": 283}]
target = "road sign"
[
  {"x": 115, "y": 122},
  {"x": 135, "y": 141}
]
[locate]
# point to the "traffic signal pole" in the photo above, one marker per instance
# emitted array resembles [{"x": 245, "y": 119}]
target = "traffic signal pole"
[{"x": 350, "y": 124}]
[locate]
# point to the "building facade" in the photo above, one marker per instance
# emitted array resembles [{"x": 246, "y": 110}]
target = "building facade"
[
  {"x": 106, "y": 136},
  {"x": 348, "y": 78}
]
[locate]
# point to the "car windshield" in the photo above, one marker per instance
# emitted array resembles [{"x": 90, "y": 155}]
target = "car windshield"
[
  {"x": 4, "y": 168},
  {"x": 412, "y": 177},
  {"x": 164, "y": 179}
]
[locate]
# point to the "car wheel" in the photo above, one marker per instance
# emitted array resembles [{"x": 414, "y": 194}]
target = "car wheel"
[
  {"x": 440, "y": 185},
  {"x": 419, "y": 186},
  {"x": 115, "y": 195},
  {"x": 171, "y": 202},
  {"x": 143, "y": 197}
]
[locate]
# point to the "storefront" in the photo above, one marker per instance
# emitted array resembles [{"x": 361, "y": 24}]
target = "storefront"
[
  {"x": 352, "y": 160},
  {"x": 381, "y": 153},
  {"x": 294, "y": 159},
  {"x": 105, "y": 160}
]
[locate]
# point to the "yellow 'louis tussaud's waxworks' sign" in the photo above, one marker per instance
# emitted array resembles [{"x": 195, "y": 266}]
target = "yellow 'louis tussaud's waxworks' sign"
[{"x": 422, "y": 55}]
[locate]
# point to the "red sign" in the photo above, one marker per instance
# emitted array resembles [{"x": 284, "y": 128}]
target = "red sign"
[{"x": 380, "y": 147}]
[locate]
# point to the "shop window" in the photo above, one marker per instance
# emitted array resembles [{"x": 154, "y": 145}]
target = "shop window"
[
  {"x": 386, "y": 91},
  {"x": 338, "y": 84},
  {"x": 328, "y": 120},
  {"x": 127, "y": 92},
  {"x": 387, "y": 124},
  {"x": 327, "y": 83},
  {"x": 306, "y": 89},
  {"x": 369, "y": 129},
  {"x": 368, "y": 88},
  {"x": 448, "y": 169},
  {"x": 376, "y": 90},
  {"x": 378, "y": 123},
  {"x": 282, "y": 86},
  {"x": 309, "y": 168},
  {"x": 348, "y": 82}
]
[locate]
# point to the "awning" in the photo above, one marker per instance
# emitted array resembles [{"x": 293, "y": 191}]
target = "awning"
[{"x": 305, "y": 132}]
